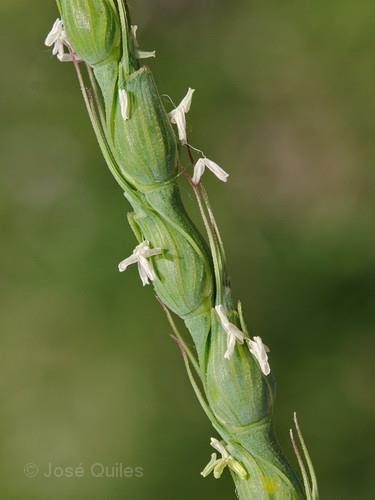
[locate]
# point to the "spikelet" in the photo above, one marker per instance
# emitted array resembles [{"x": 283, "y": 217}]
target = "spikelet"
[{"x": 141, "y": 143}]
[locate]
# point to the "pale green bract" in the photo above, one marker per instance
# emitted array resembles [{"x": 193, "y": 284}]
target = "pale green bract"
[{"x": 143, "y": 145}]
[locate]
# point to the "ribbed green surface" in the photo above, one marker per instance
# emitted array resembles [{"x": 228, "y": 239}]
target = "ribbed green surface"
[
  {"x": 184, "y": 279},
  {"x": 92, "y": 28},
  {"x": 145, "y": 145},
  {"x": 240, "y": 397},
  {"x": 238, "y": 392}
]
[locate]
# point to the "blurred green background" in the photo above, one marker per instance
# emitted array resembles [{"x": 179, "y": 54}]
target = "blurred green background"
[{"x": 88, "y": 373}]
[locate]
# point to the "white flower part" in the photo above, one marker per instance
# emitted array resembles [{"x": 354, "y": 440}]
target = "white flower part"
[
  {"x": 259, "y": 351},
  {"x": 57, "y": 38},
  {"x": 141, "y": 54},
  {"x": 200, "y": 167},
  {"x": 177, "y": 116},
  {"x": 217, "y": 466},
  {"x": 140, "y": 254},
  {"x": 234, "y": 333},
  {"x": 134, "y": 29},
  {"x": 219, "y": 446},
  {"x": 124, "y": 103},
  {"x": 146, "y": 54}
]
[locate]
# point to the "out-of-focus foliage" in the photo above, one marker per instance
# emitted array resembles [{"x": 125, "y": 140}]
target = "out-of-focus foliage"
[{"x": 285, "y": 101}]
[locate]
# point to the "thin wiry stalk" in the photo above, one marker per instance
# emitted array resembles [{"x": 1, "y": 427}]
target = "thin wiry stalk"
[
  {"x": 315, "y": 490},
  {"x": 190, "y": 278},
  {"x": 214, "y": 225},
  {"x": 302, "y": 467},
  {"x": 97, "y": 97},
  {"x": 216, "y": 255},
  {"x": 99, "y": 133},
  {"x": 181, "y": 340}
]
